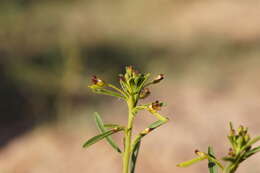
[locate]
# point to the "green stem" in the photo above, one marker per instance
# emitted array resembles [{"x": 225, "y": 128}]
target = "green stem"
[
  {"x": 231, "y": 168},
  {"x": 128, "y": 136}
]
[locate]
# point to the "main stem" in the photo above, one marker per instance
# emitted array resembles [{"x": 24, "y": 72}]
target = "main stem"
[
  {"x": 231, "y": 168},
  {"x": 128, "y": 136}
]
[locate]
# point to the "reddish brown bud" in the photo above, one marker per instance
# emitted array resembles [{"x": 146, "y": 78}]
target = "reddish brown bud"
[
  {"x": 97, "y": 81},
  {"x": 146, "y": 131},
  {"x": 145, "y": 93},
  {"x": 158, "y": 78},
  {"x": 115, "y": 129},
  {"x": 136, "y": 71},
  {"x": 121, "y": 77},
  {"x": 232, "y": 132},
  {"x": 129, "y": 70},
  {"x": 231, "y": 152},
  {"x": 94, "y": 79},
  {"x": 196, "y": 151},
  {"x": 156, "y": 105}
]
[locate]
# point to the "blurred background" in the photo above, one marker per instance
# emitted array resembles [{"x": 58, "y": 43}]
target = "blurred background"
[{"x": 209, "y": 52}]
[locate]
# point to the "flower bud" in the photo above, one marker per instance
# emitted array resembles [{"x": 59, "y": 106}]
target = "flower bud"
[
  {"x": 200, "y": 154},
  {"x": 135, "y": 73},
  {"x": 97, "y": 81},
  {"x": 247, "y": 138},
  {"x": 115, "y": 129},
  {"x": 196, "y": 151},
  {"x": 146, "y": 131},
  {"x": 121, "y": 77},
  {"x": 129, "y": 70},
  {"x": 232, "y": 132},
  {"x": 145, "y": 93},
  {"x": 158, "y": 78},
  {"x": 156, "y": 106},
  {"x": 231, "y": 152},
  {"x": 240, "y": 141}
]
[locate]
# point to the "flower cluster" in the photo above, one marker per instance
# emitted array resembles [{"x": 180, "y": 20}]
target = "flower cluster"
[
  {"x": 133, "y": 84},
  {"x": 238, "y": 140}
]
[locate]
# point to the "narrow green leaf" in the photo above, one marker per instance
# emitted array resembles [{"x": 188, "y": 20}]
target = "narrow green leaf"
[
  {"x": 150, "y": 127},
  {"x": 253, "y": 141},
  {"x": 229, "y": 159},
  {"x": 134, "y": 156},
  {"x": 156, "y": 124},
  {"x": 192, "y": 161},
  {"x": 103, "y": 91},
  {"x": 158, "y": 116},
  {"x": 137, "y": 142},
  {"x": 111, "y": 126},
  {"x": 142, "y": 85},
  {"x": 211, "y": 165},
  {"x": 212, "y": 159},
  {"x": 252, "y": 152},
  {"x": 202, "y": 156},
  {"x": 117, "y": 89},
  {"x": 125, "y": 87},
  {"x": 102, "y": 129},
  {"x": 99, "y": 137}
]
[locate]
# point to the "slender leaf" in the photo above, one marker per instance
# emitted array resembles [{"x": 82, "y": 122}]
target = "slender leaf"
[
  {"x": 100, "y": 90},
  {"x": 253, "y": 141},
  {"x": 151, "y": 127},
  {"x": 134, "y": 156},
  {"x": 146, "y": 77},
  {"x": 137, "y": 143},
  {"x": 158, "y": 116},
  {"x": 211, "y": 165},
  {"x": 99, "y": 137},
  {"x": 202, "y": 156},
  {"x": 252, "y": 152},
  {"x": 117, "y": 89},
  {"x": 156, "y": 124},
  {"x": 111, "y": 126},
  {"x": 192, "y": 161},
  {"x": 229, "y": 159},
  {"x": 102, "y": 129},
  {"x": 212, "y": 159}
]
